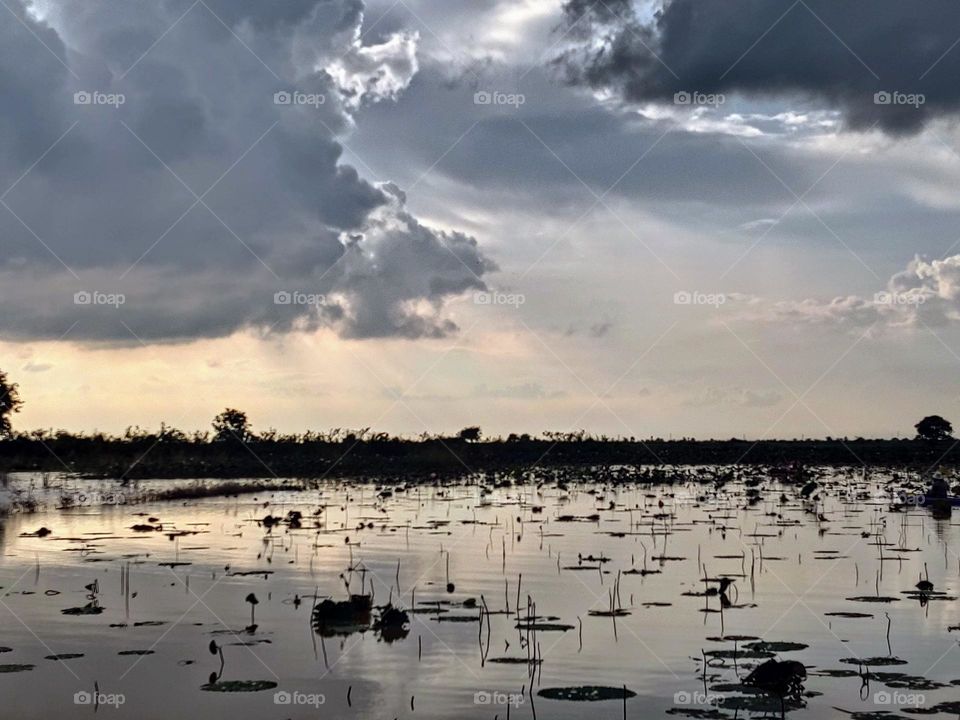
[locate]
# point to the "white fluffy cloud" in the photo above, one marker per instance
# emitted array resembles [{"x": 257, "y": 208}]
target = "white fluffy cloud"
[
  {"x": 925, "y": 293},
  {"x": 371, "y": 73}
]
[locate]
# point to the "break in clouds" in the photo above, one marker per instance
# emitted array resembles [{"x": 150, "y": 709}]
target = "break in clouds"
[
  {"x": 839, "y": 54},
  {"x": 189, "y": 158}
]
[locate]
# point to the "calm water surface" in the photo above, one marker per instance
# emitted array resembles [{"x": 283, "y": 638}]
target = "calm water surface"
[{"x": 172, "y": 591}]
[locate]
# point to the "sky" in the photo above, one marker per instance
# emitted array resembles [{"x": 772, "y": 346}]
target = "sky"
[{"x": 648, "y": 219}]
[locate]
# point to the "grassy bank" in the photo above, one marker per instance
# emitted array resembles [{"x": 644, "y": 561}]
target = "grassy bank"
[{"x": 157, "y": 457}]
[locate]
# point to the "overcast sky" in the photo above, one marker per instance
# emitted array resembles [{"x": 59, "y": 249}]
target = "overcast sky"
[{"x": 710, "y": 219}]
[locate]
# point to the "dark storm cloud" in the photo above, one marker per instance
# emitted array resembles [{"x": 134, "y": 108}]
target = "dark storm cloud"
[
  {"x": 497, "y": 149},
  {"x": 838, "y": 53},
  {"x": 199, "y": 197}
]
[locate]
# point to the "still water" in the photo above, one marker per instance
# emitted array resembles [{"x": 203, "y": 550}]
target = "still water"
[{"x": 149, "y": 601}]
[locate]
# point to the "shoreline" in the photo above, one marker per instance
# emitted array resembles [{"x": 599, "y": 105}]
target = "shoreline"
[{"x": 139, "y": 459}]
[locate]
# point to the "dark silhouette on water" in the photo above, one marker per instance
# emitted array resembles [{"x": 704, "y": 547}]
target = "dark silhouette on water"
[
  {"x": 781, "y": 678},
  {"x": 939, "y": 489},
  {"x": 331, "y": 618}
]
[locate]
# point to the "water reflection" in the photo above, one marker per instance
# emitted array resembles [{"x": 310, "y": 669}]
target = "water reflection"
[{"x": 702, "y": 598}]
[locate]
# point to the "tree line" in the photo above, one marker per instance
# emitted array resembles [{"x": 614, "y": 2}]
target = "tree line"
[{"x": 234, "y": 425}]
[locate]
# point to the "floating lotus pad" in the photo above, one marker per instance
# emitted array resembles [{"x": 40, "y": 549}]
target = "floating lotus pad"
[
  {"x": 775, "y": 646},
  {"x": 951, "y": 707},
  {"x": 750, "y": 699},
  {"x": 851, "y": 615},
  {"x": 544, "y": 627},
  {"x": 901, "y": 681},
  {"x": 698, "y": 713},
  {"x": 736, "y": 654},
  {"x": 587, "y": 693},
  {"x": 874, "y": 661},
  {"x": 90, "y": 609},
  {"x": 836, "y": 673},
  {"x": 762, "y": 703},
  {"x": 239, "y": 686}
]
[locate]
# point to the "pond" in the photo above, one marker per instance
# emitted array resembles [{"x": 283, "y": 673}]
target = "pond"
[{"x": 549, "y": 594}]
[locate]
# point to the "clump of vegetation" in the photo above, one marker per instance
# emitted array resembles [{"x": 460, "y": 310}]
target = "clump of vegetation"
[
  {"x": 784, "y": 679},
  {"x": 393, "y": 624},
  {"x": 343, "y": 618}
]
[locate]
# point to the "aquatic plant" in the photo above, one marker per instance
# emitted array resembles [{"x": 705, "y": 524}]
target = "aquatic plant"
[
  {"x": 781, "y": 678},
  {"x": 251, "y": 599},
  {"x": 346, "y": 617}
]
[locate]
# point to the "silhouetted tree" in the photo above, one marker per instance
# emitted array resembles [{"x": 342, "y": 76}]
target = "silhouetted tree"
[
  {"x": 231, "y": 425},
  {"x": 470, "y": 434},
  {"x": 10, "y": 403},
  {"x": 170, "y": 434},
  {"x": 934, "y": 427}
]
